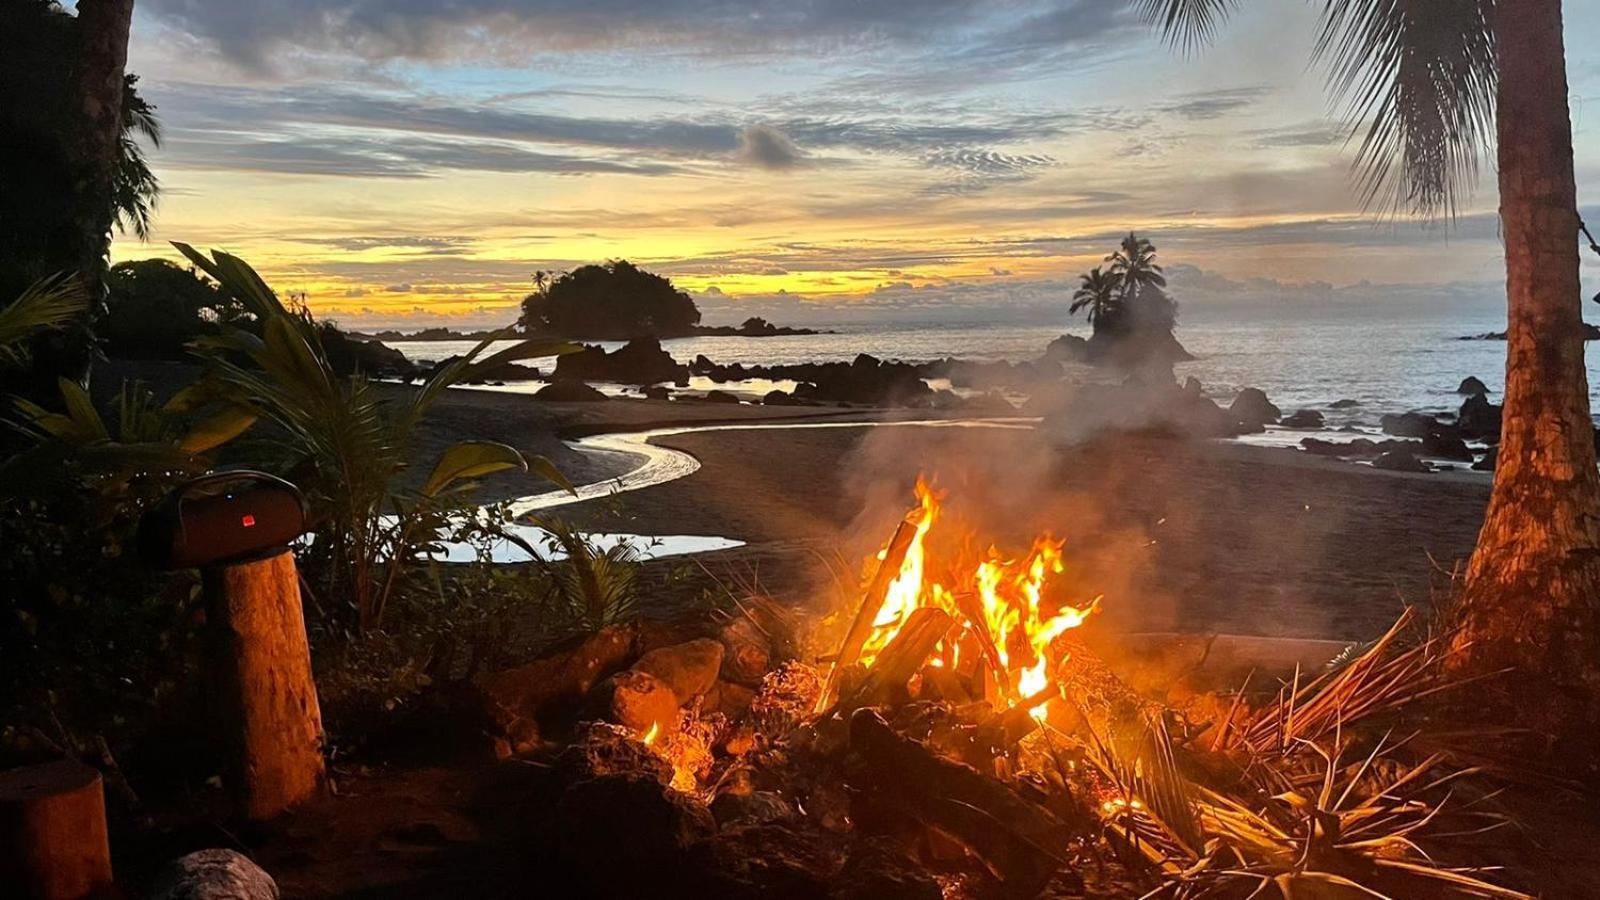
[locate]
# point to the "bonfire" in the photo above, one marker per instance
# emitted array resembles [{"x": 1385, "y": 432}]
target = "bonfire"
[{"x": 962, "y": 718}]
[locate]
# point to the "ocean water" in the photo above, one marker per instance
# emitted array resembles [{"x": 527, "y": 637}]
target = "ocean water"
[{"x": 1388, "y": 357}]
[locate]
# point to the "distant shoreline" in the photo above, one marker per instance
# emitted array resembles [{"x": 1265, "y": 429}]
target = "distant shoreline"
[{"x": 446, "y": 334}]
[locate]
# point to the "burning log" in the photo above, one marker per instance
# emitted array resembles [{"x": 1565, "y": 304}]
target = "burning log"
[
  {"x": 902, "y": 657},
  {"x": 1020, "y": 842},
  {"x": 867, "y": 613}
]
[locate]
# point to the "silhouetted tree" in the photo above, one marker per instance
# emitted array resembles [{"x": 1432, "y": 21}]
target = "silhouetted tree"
[
  {"x": 70, "y": 164},
  {"x": 155, "y": 307},
  {"x": 1433, "y": 82},
  {"x": 613, "y": 301},
  {"x": 1100, "y": 293}
]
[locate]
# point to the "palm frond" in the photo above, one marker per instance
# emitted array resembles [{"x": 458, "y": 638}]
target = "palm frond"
[
  {"x": 1417, "y": 81},
  {"x": 1187, "y": 24},
  {"x": 48, "y": 303}
]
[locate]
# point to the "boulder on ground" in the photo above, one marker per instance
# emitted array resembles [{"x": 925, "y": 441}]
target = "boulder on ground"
[
  {"x": 719, "y": 397},
  {"x": 780, "y": 398},
  {"x": 1304, "y": 418},
  {"x": 627, "y": 836},
  {"x": 747, "y": 652},
  {"x": 688, "y": 669},
  {"x": 213, "y": 875},
  {"x": 657, "y": 392},
  {"x": 1400, "y": 461},
  {"x": 569, "y": 392},
  {"x": 516, "y": 701},
  {"x": 638, "y": 700},
  {"x": 1253, "y": 408},
  {"x": 1472, "y": 387}
]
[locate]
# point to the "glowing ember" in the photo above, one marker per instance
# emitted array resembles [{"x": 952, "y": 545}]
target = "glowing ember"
[
  {"x": 998, "y": 599},
  {"x": 650, "y": 736}
]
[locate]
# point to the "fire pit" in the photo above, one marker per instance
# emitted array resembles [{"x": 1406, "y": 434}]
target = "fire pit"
[{"x": 956, "y": 738}]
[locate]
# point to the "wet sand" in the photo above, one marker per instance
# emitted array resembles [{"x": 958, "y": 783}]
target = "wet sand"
[{"x": 1188, "y": 536}]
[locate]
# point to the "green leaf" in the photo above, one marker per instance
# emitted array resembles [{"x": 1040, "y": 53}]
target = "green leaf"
[
  {"x": 80, "y": 409},
  {"x": 217, "y": 430},
  {"x": 470, "y": 459},
  {"x": 547, "y": 470},
  {"x": 48, "y": 303}
]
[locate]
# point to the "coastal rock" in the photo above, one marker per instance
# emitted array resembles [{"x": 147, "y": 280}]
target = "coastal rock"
[
  {"x": 1253, "y": 408},
  {"x": 569, "y": 392},
  {"x": 1487, "y": 462},
  {"x": 1472, "y": 387},
  {"x": 1304, "y": 418},
  {"x": 1345, "y": 403},
  {"x": 214, "y": 875},
  {"x": 1411, "y": 424},
  {"x": 1193, "y": 387},
  {"x": 1590, "y": 333},
  {"x": 1067, "y": 348},
  {"x": 1446, "y": 443},
  {"x": 720, "y": 397},
  {"x": 657, "y": 392},
  {"x": 1400, "y": 461},
  {"x": 755, "y": 326},
  {"x": 639, "y": 361},
  {"x": 1478, "y": 418},
  {"x": 780, "y": 398}
]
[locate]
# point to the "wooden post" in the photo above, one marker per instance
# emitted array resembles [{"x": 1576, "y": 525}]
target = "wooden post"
[
  {"x": 53, "y": 843},
  {"x": 260, "y": 669}
]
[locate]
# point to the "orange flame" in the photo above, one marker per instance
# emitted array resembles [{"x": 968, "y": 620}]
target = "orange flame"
[
  {"x": 998, "y": 600},
  {"x": 650, "y": 736}
]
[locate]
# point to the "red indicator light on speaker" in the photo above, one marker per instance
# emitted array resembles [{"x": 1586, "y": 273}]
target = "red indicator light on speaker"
[{"x": 248, "y": 521}]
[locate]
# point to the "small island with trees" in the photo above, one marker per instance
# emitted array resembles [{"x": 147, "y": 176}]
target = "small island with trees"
[{"x": 618, "y": 301}]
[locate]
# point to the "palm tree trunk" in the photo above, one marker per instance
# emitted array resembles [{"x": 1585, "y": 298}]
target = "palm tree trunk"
[
  {"x": 1532, "y": 599},
  {"x": 103, "y": 27}
]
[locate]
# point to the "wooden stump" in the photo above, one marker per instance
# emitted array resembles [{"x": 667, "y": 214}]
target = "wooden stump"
[
  {"x": 259, "y": 666},
  {"x": 53, "y": 843}
]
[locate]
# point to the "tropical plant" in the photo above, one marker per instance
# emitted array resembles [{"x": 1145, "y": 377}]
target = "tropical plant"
[
  {"x": 346, "y": 446},
  {"x": 48, "y": 304},
  {"x": 134, "y": 187},
  {"x": 1427, "y": 86},
  {"x": 1100, "y": 293},
  {"x": 1134, "y": 265},
  {"x": 594, "y": 587}
]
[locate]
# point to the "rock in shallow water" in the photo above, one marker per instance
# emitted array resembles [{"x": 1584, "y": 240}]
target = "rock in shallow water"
[
  {"x": 1400, "y": 461},
  {"x": 1472, "y": 387},
  {"x": 1305, "y": 418}
]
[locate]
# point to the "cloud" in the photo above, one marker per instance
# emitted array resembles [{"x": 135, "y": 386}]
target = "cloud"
[
  {"x": 1313, "y": 133},
  {"x": 768, "y": 148}
]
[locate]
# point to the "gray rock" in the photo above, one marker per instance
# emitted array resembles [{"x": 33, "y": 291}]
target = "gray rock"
[
  {"x": 1400, "y": 461},
  {"x": 1305, "y": 418},
  {"x": 1471, "y": 387},
  {"x": 214, "y": 875},
  {"x": 1252, "y": 407}
]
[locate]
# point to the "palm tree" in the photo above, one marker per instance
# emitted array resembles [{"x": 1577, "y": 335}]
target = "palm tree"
[
  {"x": 1100, "y": 293},
  {"x": 1431, "y": 82},
  {"x": 1135, "y": 264}
]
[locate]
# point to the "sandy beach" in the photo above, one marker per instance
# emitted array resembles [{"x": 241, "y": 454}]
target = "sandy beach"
[{"x": 1177, "y": 535}]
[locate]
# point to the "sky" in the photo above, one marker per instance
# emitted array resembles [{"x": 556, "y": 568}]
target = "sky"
[{"x": 409, "y": 163}]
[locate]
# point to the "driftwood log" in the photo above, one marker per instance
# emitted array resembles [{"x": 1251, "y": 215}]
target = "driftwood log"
[
  {"x": 1020, "y": 842},
  {"x": 259, "y": 666},
  {"x": 53, "y": 843},
  {"x": 867, "y": 613},
  {"x": 901, "y": 657}
]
